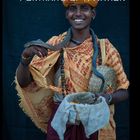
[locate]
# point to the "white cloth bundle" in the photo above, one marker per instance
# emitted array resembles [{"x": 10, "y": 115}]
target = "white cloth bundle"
[{"x": 84, "y": 107}]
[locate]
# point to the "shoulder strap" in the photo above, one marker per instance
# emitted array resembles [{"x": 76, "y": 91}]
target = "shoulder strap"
[{"x": 103, "y": 51}]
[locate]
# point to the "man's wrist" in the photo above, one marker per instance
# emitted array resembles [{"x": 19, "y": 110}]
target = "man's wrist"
[
  {"x": 110, "y": 99},
  {"x": 25, "y": 61}
]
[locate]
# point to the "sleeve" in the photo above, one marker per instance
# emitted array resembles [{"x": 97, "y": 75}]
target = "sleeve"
[{"x": 113, "y": 59}]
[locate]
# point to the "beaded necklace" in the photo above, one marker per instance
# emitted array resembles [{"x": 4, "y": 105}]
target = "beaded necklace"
[
  {"x": 63, "y": 81},
  {"x": 75, "y": 41}
]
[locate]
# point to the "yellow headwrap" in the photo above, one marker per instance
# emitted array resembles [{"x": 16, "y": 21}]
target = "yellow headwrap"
[{"x": 92, "y": 3}]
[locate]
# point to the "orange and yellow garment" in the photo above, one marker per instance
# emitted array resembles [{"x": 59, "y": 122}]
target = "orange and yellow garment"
[{"x": 36, "y": 100}]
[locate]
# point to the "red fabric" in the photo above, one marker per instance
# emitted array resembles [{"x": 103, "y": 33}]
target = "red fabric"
[{"x": 73, "y": 132}]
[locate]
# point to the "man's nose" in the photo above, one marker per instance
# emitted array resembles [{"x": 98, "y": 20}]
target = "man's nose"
[{"x": 78, "y": 11}]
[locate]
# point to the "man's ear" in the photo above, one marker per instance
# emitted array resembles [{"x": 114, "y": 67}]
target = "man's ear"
[{"x": 93, "y": 13}]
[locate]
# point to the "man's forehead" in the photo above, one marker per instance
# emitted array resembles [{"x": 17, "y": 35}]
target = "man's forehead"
[{"x": 82, "y": 4}]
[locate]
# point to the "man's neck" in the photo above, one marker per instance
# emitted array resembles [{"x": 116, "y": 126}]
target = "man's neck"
[{"x": 80, "y": 35}]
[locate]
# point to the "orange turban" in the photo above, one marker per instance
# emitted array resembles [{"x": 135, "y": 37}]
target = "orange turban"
[{"x": 92, "y": 3}]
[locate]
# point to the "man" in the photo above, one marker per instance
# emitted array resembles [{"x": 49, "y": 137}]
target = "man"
[{"x": 45, "y": 76}]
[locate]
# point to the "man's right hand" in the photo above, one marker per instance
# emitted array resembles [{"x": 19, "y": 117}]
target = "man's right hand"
[
  {"x": 34, "y": 50},
  {"x": 24, "y": 76}
]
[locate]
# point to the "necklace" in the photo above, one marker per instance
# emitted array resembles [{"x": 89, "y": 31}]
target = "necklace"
[{"x": 75, "y": 41}]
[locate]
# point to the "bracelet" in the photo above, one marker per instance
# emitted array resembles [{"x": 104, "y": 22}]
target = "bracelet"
[
  {"x": 110, "y": 98},
  {"x": 25, "y": 61},
  {"x": 23, "y": 64},
  {"x": 26, "y": 58}
]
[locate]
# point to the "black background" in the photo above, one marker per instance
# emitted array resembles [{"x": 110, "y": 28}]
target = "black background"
[{"x": 24, "y": 21}]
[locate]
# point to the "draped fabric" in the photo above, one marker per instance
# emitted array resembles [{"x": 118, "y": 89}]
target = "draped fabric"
[
  {"x": 36, "y": 99},
  {"x": 73, "y": 132}
]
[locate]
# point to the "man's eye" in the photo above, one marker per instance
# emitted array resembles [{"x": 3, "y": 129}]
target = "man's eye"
[
  {"x": 85, "y": 7},
  {"x": 72, "y": 8}
]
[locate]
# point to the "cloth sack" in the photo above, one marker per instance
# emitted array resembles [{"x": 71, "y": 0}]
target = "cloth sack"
[
  {"x": 110, "y": 80},
  {"x": 82, "y": 107}
]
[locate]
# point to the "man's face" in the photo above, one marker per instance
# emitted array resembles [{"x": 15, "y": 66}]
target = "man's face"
[{"x": 79, "y": 15}]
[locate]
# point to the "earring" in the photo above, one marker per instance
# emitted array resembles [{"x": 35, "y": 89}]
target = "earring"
[
  {"x": 94, "y": 14},
  {"x": 93, "y": 18}
]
